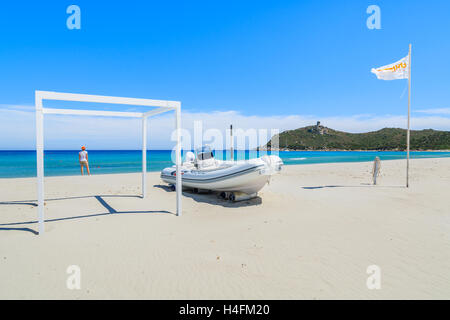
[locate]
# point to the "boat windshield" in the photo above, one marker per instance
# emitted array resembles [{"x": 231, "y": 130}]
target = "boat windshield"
[{"x": 204, "y": 153}]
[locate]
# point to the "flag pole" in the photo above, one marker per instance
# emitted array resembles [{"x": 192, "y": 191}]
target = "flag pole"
[{"x": 409, "y": 116}]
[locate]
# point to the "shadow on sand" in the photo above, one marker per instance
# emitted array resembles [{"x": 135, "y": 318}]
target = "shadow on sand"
[
  {"x": 362, "y": 185},
  {"x": 20, "y": 229},
  {"x": 214, "y": 198},
  {"x": 99, "y": 198}
]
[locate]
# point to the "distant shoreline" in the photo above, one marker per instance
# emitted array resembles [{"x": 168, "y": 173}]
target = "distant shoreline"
[
  {"x": 347, "y": 150},
  {"x": 319, "y": 137},
  {"x": 327, "y": 150}
]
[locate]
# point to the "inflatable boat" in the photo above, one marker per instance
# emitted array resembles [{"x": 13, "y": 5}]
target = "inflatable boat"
[{"x": 235, "y": 180}]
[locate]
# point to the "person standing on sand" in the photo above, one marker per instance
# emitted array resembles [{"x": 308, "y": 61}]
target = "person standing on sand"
[{"x": 83, "y": 158}]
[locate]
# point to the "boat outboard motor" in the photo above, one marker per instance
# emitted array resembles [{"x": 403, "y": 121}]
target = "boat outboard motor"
[
  {"x": 190, "y": 157},
  {"x": 274, "y": 163}
]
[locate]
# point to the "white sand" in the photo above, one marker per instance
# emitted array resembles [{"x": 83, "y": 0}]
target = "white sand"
[{"x": 312, "y": 234}]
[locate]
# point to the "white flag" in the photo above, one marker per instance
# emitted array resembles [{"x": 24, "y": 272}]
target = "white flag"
[{"x": 393, "y": 71}]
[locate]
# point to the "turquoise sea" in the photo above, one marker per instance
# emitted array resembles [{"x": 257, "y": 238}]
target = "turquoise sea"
[{"x": 14, "y": 164}]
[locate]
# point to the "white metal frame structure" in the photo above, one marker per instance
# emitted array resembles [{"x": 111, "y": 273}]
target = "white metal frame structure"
[{"x": 163, "y": 106}]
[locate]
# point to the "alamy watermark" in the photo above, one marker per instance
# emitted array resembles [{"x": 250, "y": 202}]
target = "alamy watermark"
[
  {"x": 74, "y": 20},
  {"x": 257, "y": 141},
  {"x": 374, "y": 280},
  {"x": 73, "y": 281},
  {"x": 374, "y": 20}
]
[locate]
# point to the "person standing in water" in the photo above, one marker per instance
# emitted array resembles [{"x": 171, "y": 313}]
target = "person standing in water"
[{"x": 83, "y": 158}]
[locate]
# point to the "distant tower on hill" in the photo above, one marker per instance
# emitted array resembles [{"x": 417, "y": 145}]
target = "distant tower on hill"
[{"x": 319, "y": 129}]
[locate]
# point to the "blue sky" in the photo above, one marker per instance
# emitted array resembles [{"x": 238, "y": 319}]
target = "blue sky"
[{"x": 288, "y": 61}]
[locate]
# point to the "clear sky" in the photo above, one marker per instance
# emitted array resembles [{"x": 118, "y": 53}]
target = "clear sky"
[{"x": 282, "y": 64}]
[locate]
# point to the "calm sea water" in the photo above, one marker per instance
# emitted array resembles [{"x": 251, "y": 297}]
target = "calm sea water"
[{"x": 15, "y": 164}]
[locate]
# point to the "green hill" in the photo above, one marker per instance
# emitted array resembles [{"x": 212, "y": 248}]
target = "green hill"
[{"x": 322, "y": 138}]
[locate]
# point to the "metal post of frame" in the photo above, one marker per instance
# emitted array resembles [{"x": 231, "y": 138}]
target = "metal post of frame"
[
  {"x": 144, "y": 155},
  {"x": 409, "y": 116},
  {"x": 40, "y": 161},
  {"x": 231, "y": 142},
  {"x": 178, "y": 186}
]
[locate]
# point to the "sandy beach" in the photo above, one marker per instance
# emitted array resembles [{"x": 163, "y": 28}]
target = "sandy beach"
[{"x": 311, "y": 234}]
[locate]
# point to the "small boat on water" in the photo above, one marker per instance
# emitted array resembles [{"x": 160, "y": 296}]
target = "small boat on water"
[{"x": 235, "y": 180}]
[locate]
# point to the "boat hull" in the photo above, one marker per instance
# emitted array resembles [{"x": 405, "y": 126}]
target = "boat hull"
[{"x": 245, "y": 176}]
